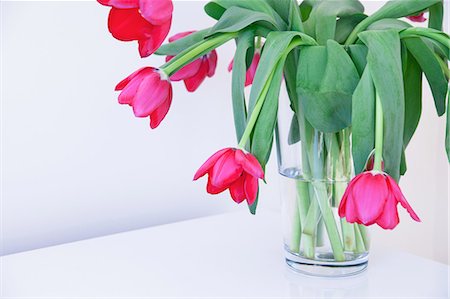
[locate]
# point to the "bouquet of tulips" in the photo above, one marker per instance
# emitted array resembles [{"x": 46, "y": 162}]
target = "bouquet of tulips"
[{"x": 354, "y": 83}]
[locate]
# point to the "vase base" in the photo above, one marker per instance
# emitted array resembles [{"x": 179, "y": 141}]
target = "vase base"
[{"x": 326, "y": 268}]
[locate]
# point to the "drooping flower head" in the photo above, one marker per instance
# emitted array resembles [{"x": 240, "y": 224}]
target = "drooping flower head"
[
  {"x": 146, "y": 21},
  {"x": 420, "y": 18},
  {"x": 235, "y": 170},
  {"x": 251, "y": 71},
  {"x": 372, "y": 197},
  {"x": 194, "y": 73},
  {"x": 149, "y": 92}
]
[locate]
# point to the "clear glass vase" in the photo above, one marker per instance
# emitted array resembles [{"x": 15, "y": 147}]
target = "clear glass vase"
[{"x": 315, "y": 169}]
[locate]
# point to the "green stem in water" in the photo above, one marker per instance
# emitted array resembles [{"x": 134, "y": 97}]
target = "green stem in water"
[
  {"x": 378, "y": 134},
  {"x": 195, "y": 51}
]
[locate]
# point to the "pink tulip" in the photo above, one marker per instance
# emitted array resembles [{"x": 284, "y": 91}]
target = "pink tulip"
[
  {"x": 251, "y": 71},
  {"x": 235, "y": 170},
  {"x": 147, "y": 21},
  {"x": 194, "y": 73},
  {"x": 148, "y": 92},
  {"x": 418, "y": 18},
  {"x": 372, "y": 197}
]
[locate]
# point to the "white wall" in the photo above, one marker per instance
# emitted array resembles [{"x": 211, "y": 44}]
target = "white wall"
[{"x": 75, "y": 164}]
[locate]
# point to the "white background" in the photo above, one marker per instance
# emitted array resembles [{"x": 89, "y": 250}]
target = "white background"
[{"x": 75, "y": 164}]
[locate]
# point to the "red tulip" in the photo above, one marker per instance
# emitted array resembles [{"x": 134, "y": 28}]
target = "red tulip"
[
  {"x": 148, "y": 92},
  {"x": 372, "y": 197},
  {"x": 418, "y": 18},
  {"x": 235, "y": 170},
  {"x": 147, "y": 21},
  {"x": 251, "y": 71},
  {"x": 194, "y": 73}
]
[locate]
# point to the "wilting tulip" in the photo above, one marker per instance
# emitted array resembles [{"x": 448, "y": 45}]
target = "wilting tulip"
[
  {"x": 194, "y": 73},
  {"x": 235, "y": 170},
  {"x": 148, "y": 92},
  {"x": 251, "y": 71},
  {"x": 372, "y": 197},
  {"x": 418, "y": 18},
  {"x": 147, "y": 21}
]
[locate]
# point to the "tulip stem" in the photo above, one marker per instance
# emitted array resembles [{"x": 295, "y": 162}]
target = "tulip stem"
[
  {"x": 378, "y": 134},
  {"x": 195, "y": 51},
  {"x": 255, "y": 113}
]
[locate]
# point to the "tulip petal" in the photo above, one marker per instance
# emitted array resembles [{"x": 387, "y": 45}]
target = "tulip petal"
[
  {"x": 395, "y": 189},
  {"x": 121, "y": 85},
  {"x": 211, "y": 189},
  {"x": 194, "y": 82},
  {"x": 230, "y": 66},
  {"x": 225, "y": 171},
  {"x": 212, "y": 63},
  {"x": 153, "y": 40},
  {"x": 179, "y": 36},
  {"x": 158, "y": 115},
  {"x": 237, "y": 190},
  {"x": 152, "y": 92},
  {"x": 128, "y": 24},
  {"x": 156, "y": 12},
  {"x": 120, "y": 3},
  {"x": 251, "y": 188},
  {"x": 249, "y": 163},
  {"x": 209, "y": 163},
  {"x": 250, "y": 74},
  {"x": 389, "y": 217},
  {"x": 187, "y": 71},
  {"x": 369, "y": 194}
]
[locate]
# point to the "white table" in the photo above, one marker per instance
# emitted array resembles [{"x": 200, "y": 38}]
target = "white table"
[{"x": 230, "y": 255}]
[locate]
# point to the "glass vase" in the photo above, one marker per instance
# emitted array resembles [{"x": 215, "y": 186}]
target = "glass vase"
[{"x": 315, "y": 168}]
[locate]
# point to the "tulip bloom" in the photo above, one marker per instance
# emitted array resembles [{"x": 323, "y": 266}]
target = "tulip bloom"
[
  {"x": 250, "y": 74},
  {"x": 194, "y": 73},
  {"x": 147, "y": 21},
  {"x": 372, "y": 197},
  {"x": 235, "y": 170},
  {"x": 148, "y": 92},
  {"x": 418, "y": 18}
]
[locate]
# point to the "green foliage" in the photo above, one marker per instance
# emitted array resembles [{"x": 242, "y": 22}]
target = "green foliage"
[
  {"x": 182, "y": 44},
  {"x": 384, "y": 62},
  {"x": 326, "y": 80},
  {"x": 335, "y": 61},
  {"x": 363, "y": 121},
  {"x": 245, "y": 47}
]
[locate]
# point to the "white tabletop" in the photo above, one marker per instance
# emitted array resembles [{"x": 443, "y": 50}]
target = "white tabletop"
[{"x": 231, "y": 255}]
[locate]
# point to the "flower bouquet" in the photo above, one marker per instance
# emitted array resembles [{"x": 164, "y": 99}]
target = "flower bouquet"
[{"x": 354, "y": 96}]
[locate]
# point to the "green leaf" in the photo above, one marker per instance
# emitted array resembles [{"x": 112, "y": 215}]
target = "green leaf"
[
  {"x": 363, "y": 121},
  {"x": 436, "y": 16},
  {"x": 274, "y": 48},
  {"x": 413, "y": 97},
  {"x": 245, "y": 44},
  {"x": 262, "y": 137},
  {"x": 217, "y": 8},
  {"x": 345, "y": 25},
  {"x": 430, "y": 65},
  {"x": 358, "y": 53},
  {"x": 181, "y": 44},
  {"x": 400, "y": 8},
  {"x": 385, "y": 24},
  {"x": 384, "y": 62},
  {"x": 326, "y": 80},
  {"x": 324, "y": 15},
  {"x": 294, "y": 131},
  {"x": 392, "y": 10},
  {"x": 236, "y": 18}
]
